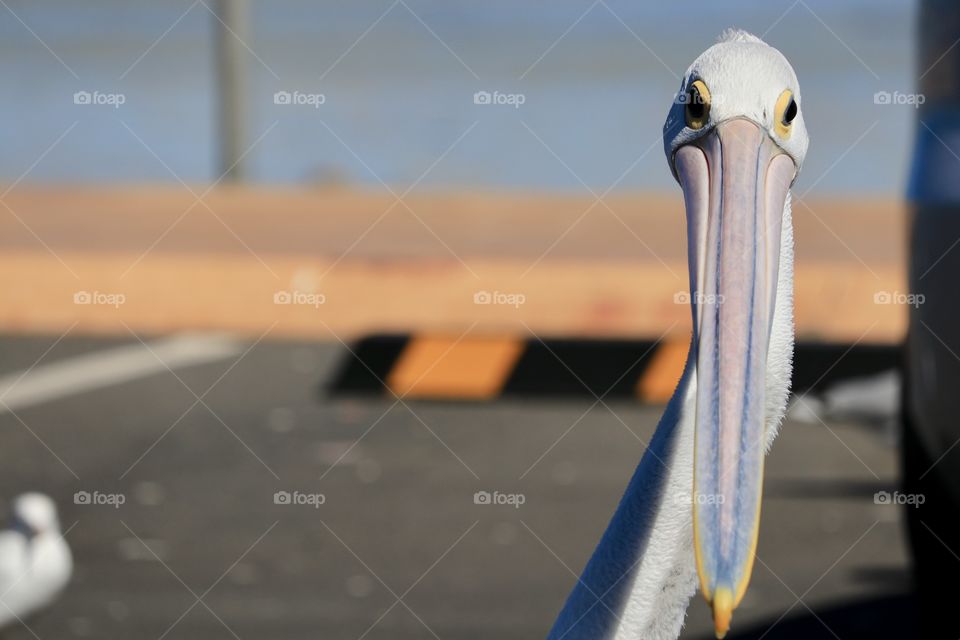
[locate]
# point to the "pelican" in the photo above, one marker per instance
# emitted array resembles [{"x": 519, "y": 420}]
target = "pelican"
[{"x": 735, "y": 140}]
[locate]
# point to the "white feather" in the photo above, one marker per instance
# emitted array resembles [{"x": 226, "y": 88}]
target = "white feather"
[
  {"x": 638, "y": 583},
  {"x": 34, "y": 569}
]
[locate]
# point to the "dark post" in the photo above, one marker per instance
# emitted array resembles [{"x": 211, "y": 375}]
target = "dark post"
[{"x": 931, "y": 407}]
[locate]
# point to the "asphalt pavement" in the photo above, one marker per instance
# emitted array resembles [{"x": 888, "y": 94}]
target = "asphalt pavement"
[{"x": 234, "y": 498}]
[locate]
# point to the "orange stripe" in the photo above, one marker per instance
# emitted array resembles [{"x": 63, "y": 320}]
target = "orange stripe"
[
  {"x": 441, "y": 367},
  {"x": 660, "y": 379}
]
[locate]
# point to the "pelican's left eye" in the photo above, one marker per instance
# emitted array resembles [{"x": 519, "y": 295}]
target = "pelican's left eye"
[{"x": 786, "y": 113}]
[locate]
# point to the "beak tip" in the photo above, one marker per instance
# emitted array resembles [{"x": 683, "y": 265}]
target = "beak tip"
[{"x": 722, "y": 611}]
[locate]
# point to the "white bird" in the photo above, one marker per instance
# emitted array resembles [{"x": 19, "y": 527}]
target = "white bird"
[
  {"x": 35, "y": 561},
  {"x": 735, "y": 140}
]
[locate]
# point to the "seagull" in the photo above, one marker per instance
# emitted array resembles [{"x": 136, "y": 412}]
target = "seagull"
[
  {"x": 735, "y": 140},
  {"x": 35, "y": 561}
]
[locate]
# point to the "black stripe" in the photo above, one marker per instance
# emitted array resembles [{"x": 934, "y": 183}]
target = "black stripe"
[
  {"x": 583, "y": 368},
  {"x": 824, "y": 364},
  {"x": 366, "y": 369},
  {"x": 580, "y": 368}
]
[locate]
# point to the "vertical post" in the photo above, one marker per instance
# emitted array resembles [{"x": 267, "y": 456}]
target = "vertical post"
[
  {"x": 232, "y": 31},
  {"x": 931, "y": 469}
]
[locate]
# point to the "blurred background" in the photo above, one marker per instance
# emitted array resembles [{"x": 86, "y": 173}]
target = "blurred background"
[
  {"x": 399, "y": 81},
  {"x": 289, "y": 286}
]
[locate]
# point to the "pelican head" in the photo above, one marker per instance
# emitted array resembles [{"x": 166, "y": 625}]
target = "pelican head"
[{"x": 735, "y": 140}]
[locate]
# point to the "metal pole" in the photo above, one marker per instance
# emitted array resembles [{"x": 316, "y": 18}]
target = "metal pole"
[{"x": 232, "y": 31}]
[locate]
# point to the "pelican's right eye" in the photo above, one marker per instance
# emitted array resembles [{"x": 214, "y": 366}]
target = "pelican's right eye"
[{"x": 697, "y": 100}]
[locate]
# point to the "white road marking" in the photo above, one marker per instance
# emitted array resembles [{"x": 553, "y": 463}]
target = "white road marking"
[{"x": 89, "y": 371}]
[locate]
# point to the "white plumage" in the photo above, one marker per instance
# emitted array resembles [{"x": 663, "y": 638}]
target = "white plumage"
[
  {"x": 35, "y": 561},
  {"x": 638, "y": 583}
]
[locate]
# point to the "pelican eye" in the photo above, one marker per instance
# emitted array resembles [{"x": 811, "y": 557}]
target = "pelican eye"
[
  {"x": 786, "y": 113},
  {"x": 791, "y": 112},
  {"x": 697, "y": 100}
]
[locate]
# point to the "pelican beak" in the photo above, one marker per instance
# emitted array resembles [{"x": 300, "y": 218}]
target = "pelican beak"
[{"x": 735, "y": 182}]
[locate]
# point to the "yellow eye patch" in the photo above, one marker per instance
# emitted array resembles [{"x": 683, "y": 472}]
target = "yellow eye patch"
[
  {"x": 697, "y": 99},
  {"x": 785, "y": 113}
]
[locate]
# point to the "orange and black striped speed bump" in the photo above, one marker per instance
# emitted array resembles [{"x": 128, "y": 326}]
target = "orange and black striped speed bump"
[{"x": 443, "y": 367}]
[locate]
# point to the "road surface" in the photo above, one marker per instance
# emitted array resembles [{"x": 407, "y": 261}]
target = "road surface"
[{"x": 231, "y": 498}]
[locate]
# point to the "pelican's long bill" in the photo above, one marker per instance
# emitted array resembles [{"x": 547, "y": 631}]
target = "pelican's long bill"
[{"x": 735, "y": 181}]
